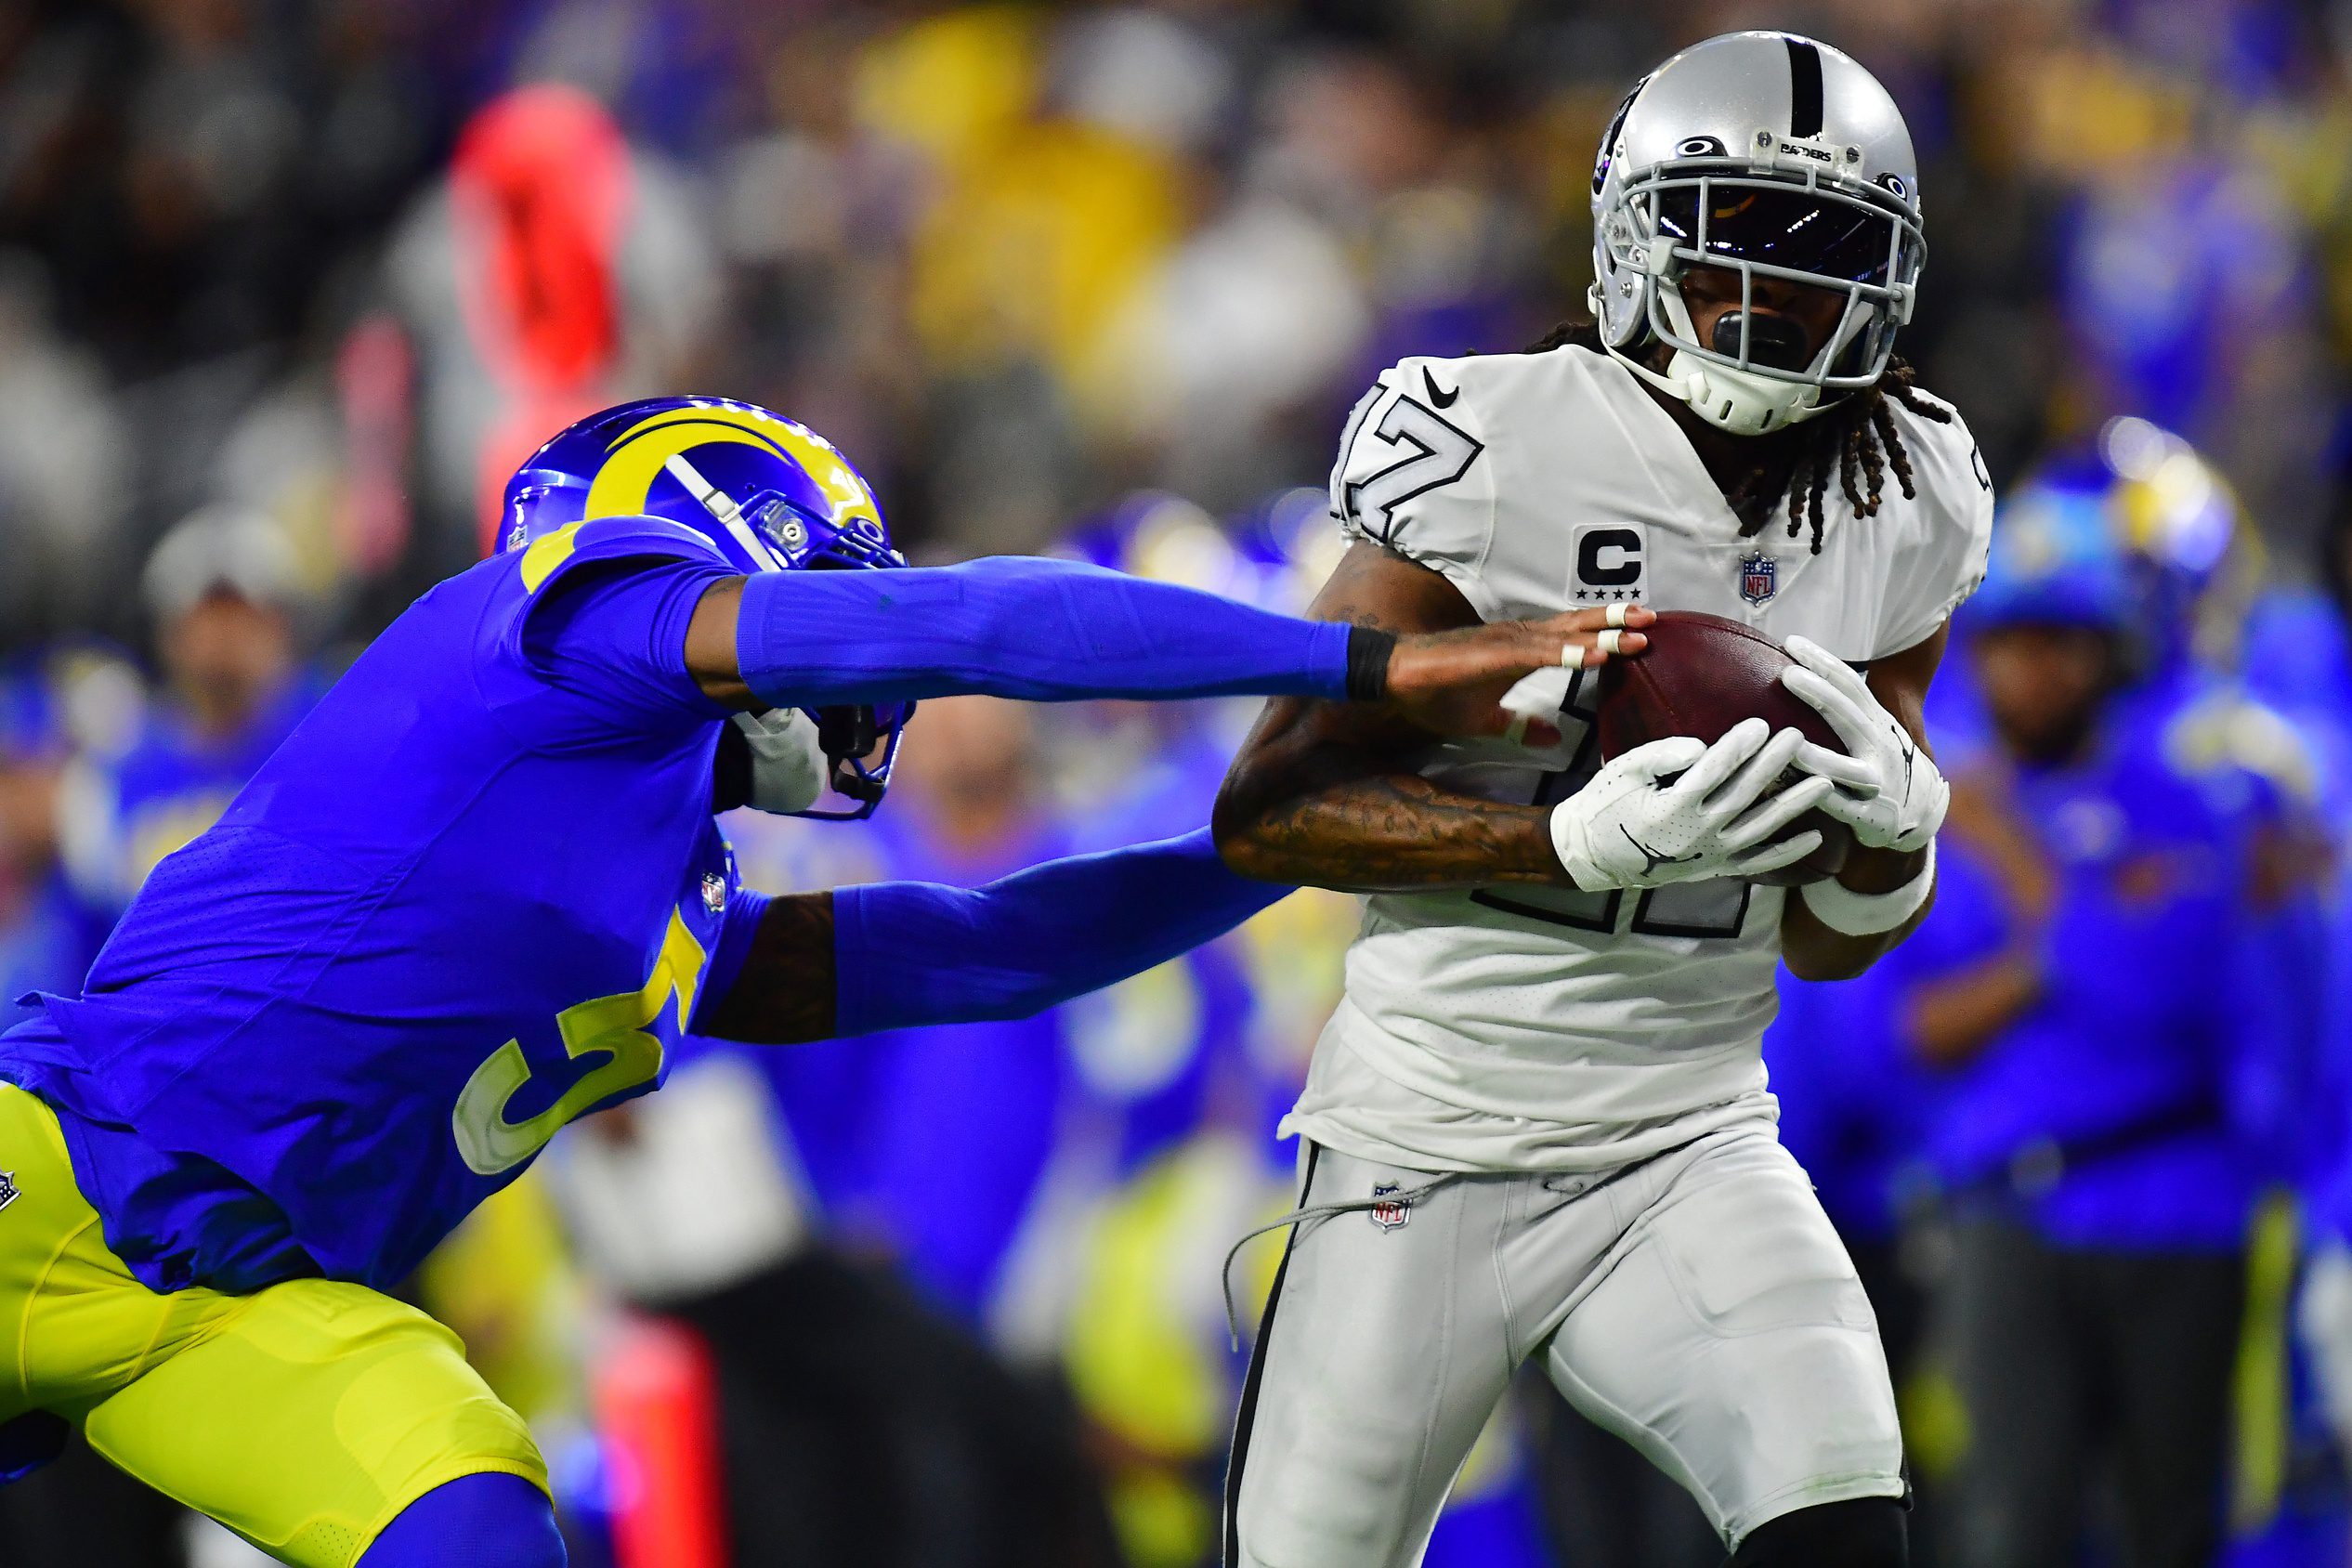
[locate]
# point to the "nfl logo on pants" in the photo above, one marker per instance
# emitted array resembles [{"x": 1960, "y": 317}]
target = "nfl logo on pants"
[
  {"x": 1759, "y": 578},
  {"x": 1390, "y": 1212}
]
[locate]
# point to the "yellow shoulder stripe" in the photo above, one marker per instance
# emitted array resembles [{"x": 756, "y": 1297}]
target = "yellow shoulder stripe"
[{"x": 546, "y": 553}]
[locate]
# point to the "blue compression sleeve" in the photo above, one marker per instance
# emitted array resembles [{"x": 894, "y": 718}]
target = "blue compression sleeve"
[
  {"x": 1018, "y": 626},
  {"x": 908, "y": 954}
]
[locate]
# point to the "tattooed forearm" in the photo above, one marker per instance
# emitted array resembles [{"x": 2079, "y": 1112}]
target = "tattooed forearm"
[
  {"x": 785, "y": 994},
  {"x": 1325, "y": 798},
  {"x": 1330, "y": 796},
  {"x": 1391, "y": 833}
]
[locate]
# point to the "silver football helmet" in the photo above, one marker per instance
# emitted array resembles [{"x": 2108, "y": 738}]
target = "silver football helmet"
[{"x": 1777, "y": 157}]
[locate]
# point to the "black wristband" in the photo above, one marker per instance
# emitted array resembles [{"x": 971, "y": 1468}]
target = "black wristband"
[{"x": 1369, "y": 651}]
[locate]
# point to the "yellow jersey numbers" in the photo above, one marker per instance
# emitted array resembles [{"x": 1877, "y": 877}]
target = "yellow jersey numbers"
[{"x": 617, "y": 1027}]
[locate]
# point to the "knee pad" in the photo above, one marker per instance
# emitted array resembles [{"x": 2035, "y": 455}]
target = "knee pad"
[
  {"x": 489, "y": 1520},
  {"x": 1858, "y": 1533}
]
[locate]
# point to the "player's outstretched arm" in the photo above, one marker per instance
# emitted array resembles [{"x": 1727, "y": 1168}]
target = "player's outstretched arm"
[
  {"x": 1330, "y": 795},
  {"x": 903, "y": 955},
  {"x": 1058, "y": 631}
]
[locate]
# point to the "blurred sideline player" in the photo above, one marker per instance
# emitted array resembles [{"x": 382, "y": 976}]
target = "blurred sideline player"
[
  {"x": 1537, "y": 1126},
  {"x": 285, "y": 1081},
  {"x": 226, "y": 596},
  {"x": 950, "y": 1167},
  {"x": 1857, "y": 1107},
  {"x": 77, "y": 699},
  {"x": 2255, "y": 725},
  {"x": 2107, "y": 1116},
  {"x": 952, "y": 1153}
]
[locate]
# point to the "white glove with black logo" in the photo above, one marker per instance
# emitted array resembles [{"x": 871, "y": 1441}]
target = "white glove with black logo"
[
  {"x": 1888, "y": 790},
  {"x": 787, "y": 765},
  {"x": 1679, "y": 810}
]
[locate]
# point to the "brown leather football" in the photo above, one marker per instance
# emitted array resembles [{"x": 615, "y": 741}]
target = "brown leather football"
[{"x": 1700, "y": 675}]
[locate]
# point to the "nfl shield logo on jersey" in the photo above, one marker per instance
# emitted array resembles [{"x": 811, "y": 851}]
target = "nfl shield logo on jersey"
[
  {"x": 1759, "y": 578},
  {"x": 1390, "y": 1212},
  {"x": 713, "y": 892}
]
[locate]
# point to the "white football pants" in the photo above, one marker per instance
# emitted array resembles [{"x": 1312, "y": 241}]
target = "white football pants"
[{"x": 1698, "y": 1304}]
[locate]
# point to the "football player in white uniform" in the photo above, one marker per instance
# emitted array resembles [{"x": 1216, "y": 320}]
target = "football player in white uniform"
[{"x": 1537, "y": 1124}]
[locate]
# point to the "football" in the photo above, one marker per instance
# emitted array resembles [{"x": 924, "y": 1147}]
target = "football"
[{"x": 1700, "y": 675}]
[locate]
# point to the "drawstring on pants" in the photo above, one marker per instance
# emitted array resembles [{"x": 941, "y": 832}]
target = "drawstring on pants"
[{"x": 1407, "y": 1198}]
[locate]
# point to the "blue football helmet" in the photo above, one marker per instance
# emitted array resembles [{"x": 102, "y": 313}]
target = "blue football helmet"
[
  {"x": 2137, "y": 534},
  {"x": 2055, "y": 562},
  {"x": 772, "y": 495}
]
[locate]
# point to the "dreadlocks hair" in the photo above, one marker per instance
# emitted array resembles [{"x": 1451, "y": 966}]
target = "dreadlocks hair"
[{"x": 1857, "y": 437}]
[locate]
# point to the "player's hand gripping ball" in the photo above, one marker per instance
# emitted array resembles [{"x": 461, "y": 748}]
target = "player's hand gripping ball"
[
  {"x": 1702, "y": 676},
  {"x": 1678, "y": 810},
  {"x": 1889, "y": 791}
]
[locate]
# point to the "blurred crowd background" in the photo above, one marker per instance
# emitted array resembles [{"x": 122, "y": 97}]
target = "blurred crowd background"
[{"x": 288, "y": 286}]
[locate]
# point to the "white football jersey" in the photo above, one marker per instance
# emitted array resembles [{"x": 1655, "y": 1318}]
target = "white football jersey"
[{"x": 1516, "y": 1028}]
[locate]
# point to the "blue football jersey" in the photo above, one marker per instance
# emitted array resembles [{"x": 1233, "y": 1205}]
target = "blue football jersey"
[
  {"x": 477, "y": 894},
  {"x": 2131, "y": 1064}
]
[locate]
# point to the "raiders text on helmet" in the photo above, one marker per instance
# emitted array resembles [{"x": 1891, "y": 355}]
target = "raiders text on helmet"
[{"x": 1776, "y": 157}]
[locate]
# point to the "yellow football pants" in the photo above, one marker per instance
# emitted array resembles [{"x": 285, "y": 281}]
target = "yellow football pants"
[{"x": 304, "y": 1417}]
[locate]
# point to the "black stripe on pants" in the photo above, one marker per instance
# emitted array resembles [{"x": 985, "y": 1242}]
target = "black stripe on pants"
[{"x": 1246, "y": 1415}]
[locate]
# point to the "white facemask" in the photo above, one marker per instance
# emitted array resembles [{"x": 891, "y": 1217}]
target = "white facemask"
[{"x": 1738, "y": 402}]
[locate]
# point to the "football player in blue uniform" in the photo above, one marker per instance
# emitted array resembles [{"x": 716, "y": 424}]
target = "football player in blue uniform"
[
  {"x": 478, "y": 892},
  {"x": 2088, "y": 991},
  {"x": 223, "y": 589}
]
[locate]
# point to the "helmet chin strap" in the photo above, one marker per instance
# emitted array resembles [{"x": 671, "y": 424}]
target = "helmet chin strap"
[
  {"x": 1735, "y": 402},
  {"x": 722, "y": 506}
]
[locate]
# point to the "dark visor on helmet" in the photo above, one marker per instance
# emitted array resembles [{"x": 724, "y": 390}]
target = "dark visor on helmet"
[{"x": 1797, "y": 229}]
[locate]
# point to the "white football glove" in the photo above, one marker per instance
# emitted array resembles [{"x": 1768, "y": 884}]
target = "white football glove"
[
  {"x": 788, "y": 767},
  {"x": 1637, "y": 825},
  {"x": 1888, "y": 790}
]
